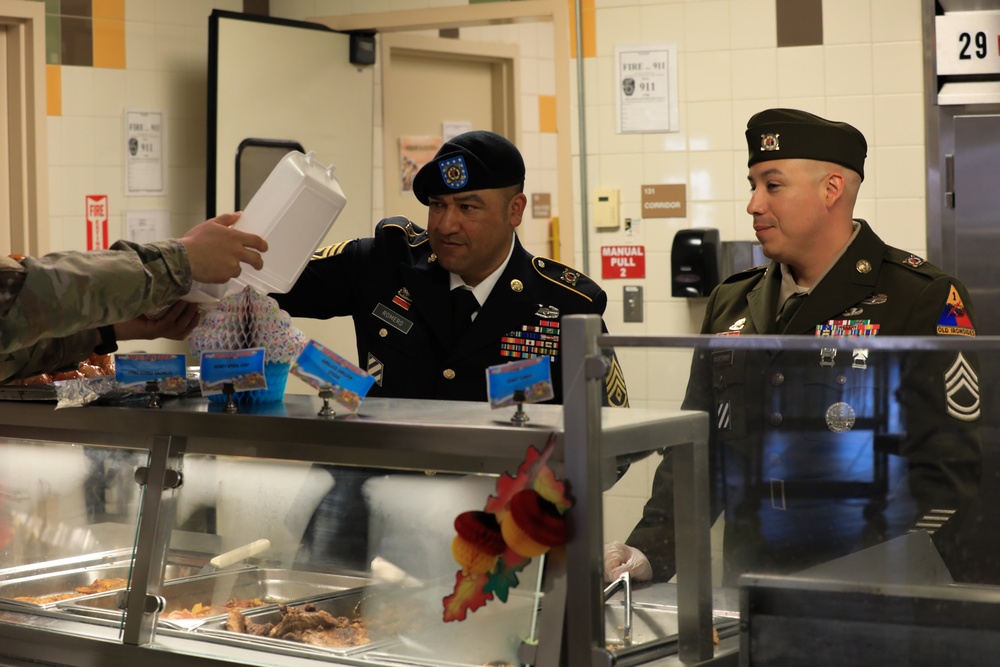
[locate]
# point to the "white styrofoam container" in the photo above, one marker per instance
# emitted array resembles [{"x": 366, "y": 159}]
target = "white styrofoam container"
[{"x": 293, "y": 211}]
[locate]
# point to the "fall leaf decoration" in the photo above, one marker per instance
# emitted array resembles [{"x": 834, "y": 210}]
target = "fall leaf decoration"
[{"x": 473, "y": 588}]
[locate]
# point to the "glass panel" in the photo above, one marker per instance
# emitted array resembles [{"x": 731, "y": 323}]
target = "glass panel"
[
  {"x": 68, "y": 517},
  {"x": 833, "y": 459},
  {"x": 336, "y": 561}
]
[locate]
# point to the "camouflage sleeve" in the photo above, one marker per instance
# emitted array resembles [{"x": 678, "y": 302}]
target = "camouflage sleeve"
[{"x": 63, "y": 294}]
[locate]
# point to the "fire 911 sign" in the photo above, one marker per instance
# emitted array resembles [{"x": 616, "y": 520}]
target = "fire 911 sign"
[{"x": 968, "y": 43}]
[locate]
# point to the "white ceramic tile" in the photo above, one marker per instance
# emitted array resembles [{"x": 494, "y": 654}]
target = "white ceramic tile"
[
  {"x": 526, "y": 35},
  {"x": 858, "y": 110},
  {"x": 77, "y": 91},
  {"x": 109, "y": 143},
  {"x": 548, "y": 151},
  {"x": 900, "y": 172},
  {"x": 898, "y": 67},
  {"x": 55, "y": 153},
  {"x": 847, "y": 21},
  {"x": 896, "y": 21},
  {"x": 529, "y": 76},
  {"x": 529, "y": 113},
  {"x": 620, "y": 516},
  {"x": 660, "y": 23},
  {"x": 610, "y": 139},
  {"x": 755, "y": 74},
  {"x": 899, "y": 120},
  {"x": 546, "y": 76},
  {"x": 709, "y": 126},
  {"x": 145, "y": 90},
  {"x": 742, "y": 221},
  {"x": 710, "y": 176},
  {"x": 902, "y": 222},
  {"x": 664, "y": 168},
  {"x": 140, "y": 46},
  {"x": 753, "y": 24},
  {"x": 706, "y": 26},
  {"x": 616, "y": 25},
  {"x": 77, "y": 139},
  {"x": 78, "y": 182},
  {"x": 173, "y": 12},
  {"x": 706, "y": 76},
  {"x": 620, "y": 171},
  {"x": 109, "y": 92},
  {"x": 109, "y": 181},
  {"x": 140, "y": 10},
  {"x": 712, "y": 215},
  {"x": 57, "y": 199},
  {"x": 848, "y": 70},
  {"x": 800, "y": 71},
  {"x": 546, "y": 42}
]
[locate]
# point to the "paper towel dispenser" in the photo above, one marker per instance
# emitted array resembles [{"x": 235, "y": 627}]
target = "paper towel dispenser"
[{"x": 694, "y": 262}]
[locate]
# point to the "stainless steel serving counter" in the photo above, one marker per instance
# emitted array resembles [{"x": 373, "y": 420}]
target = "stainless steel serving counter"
[{"x": 454, "y": 437}]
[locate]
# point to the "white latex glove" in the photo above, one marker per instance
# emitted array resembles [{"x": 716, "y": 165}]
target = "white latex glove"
[{"x": 620, "y": 557}]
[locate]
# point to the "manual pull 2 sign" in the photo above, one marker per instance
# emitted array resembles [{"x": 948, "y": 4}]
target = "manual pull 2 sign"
[{"x": 623, "y": 261}]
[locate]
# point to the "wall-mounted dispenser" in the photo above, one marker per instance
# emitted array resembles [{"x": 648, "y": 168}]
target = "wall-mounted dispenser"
[{"x": 694, "y": 262}]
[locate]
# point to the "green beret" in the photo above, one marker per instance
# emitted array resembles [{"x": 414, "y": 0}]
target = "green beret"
[
  {"x": 477, "y": 160},
  {"x": 780, "y": 134}
]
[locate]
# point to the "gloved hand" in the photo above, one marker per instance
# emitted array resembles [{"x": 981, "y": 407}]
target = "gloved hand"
[{"x": 620, "y": 557}]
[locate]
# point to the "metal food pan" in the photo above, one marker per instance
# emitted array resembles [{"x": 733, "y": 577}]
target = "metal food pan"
[
  {"x": 345, "y": 603},
  {"x": 57, "y": 583},
  {"x": 272, "y": 586}
]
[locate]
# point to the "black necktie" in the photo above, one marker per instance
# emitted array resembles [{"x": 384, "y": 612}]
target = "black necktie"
[
  {"x": 464, "y": 304},
  {"x": 791, "y": 305}
]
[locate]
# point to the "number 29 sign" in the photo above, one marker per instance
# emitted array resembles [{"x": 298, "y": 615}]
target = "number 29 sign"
[{"x": 968, "y": 43}]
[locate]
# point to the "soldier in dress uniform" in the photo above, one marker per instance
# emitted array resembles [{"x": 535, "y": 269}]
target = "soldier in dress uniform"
[
  {"x": 59, "y": 309},
  {"x": 801, "y": 441},
  {"x": 434, "y": 308}
]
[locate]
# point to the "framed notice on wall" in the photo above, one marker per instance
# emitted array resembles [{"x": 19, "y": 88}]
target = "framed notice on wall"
[
  {"x": 145, "y": 164},
  {"x": 647, "y": 88}
]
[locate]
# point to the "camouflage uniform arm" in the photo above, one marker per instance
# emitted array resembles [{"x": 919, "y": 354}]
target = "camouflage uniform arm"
[{"x": 62, "y": 294}]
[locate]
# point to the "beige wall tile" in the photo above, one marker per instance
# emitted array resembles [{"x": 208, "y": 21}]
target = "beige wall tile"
[
  {"x": 900, "y": 172},
  {"x": 898, "y": 68},
  {"x": 895, "y": 20},
  {"x": 848, "y": 70},
  {"x": 847, "y": 21},
  {"x": 706, "y": 26},
  {"x": 752, "y": 25}
]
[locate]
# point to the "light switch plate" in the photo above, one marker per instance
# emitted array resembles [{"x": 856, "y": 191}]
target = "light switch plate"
[{"x": 632, "y": 303}]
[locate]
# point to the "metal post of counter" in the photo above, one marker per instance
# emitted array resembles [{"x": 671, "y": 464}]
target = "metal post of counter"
[
  {"x": 582, "y": 377},
  {"x": 582, "y": 459},
  {"x": 152, "y": 540}
]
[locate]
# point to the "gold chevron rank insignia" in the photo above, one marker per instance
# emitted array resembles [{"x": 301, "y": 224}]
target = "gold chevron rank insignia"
[{"x": 614, "y": 385}]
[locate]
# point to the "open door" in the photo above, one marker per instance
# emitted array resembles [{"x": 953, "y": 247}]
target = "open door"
[{"x": 279, "y": 82}]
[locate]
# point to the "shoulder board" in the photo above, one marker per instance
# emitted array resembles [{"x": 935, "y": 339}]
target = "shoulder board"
[
  {"x": 913, "y": 262},
  {"x": 415, "y": 234},
  {"x": 746, "y": 273},
  {"x": 330, "y": 250},
  {"x": 566, "y": 277}
]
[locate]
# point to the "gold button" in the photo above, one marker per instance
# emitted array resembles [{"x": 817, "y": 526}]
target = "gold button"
[
  {"x": 541, "y": 264},
  {"x": 432, "y": 258},
  {"x": 448, "y": 374},
  {"x": 383, "y": 333},
  {"x": 517, "y": 285},
  {"x": 778, "y": 379},
  {"x": 863, "y": 266}
]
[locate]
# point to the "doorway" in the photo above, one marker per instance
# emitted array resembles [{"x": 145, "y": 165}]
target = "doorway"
[
  {"x": 24, "y": 218},
  {"x": 430, "y": 82}
]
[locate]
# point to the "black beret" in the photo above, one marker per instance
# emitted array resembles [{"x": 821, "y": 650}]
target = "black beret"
[
  {"x": 476, "y": 160},
  {"x": 779, "y": 134}
]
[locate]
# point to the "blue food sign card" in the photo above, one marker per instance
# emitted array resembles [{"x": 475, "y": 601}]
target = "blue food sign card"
[
  {"x": 325, "y": 370},
  {"x": 135, "y": 371},
  {"x": 244, "y": 369},
  {"x": 533, "y": 376}
]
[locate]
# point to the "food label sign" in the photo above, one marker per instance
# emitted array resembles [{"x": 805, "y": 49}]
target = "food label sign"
[{"x": 623, "y": 261}]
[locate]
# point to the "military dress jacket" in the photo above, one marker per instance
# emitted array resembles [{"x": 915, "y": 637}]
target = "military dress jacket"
[
  {"x": 399, "y": 298},
  {"x": 51, "y": 306},
  {"x": 799, "y": 438}
]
